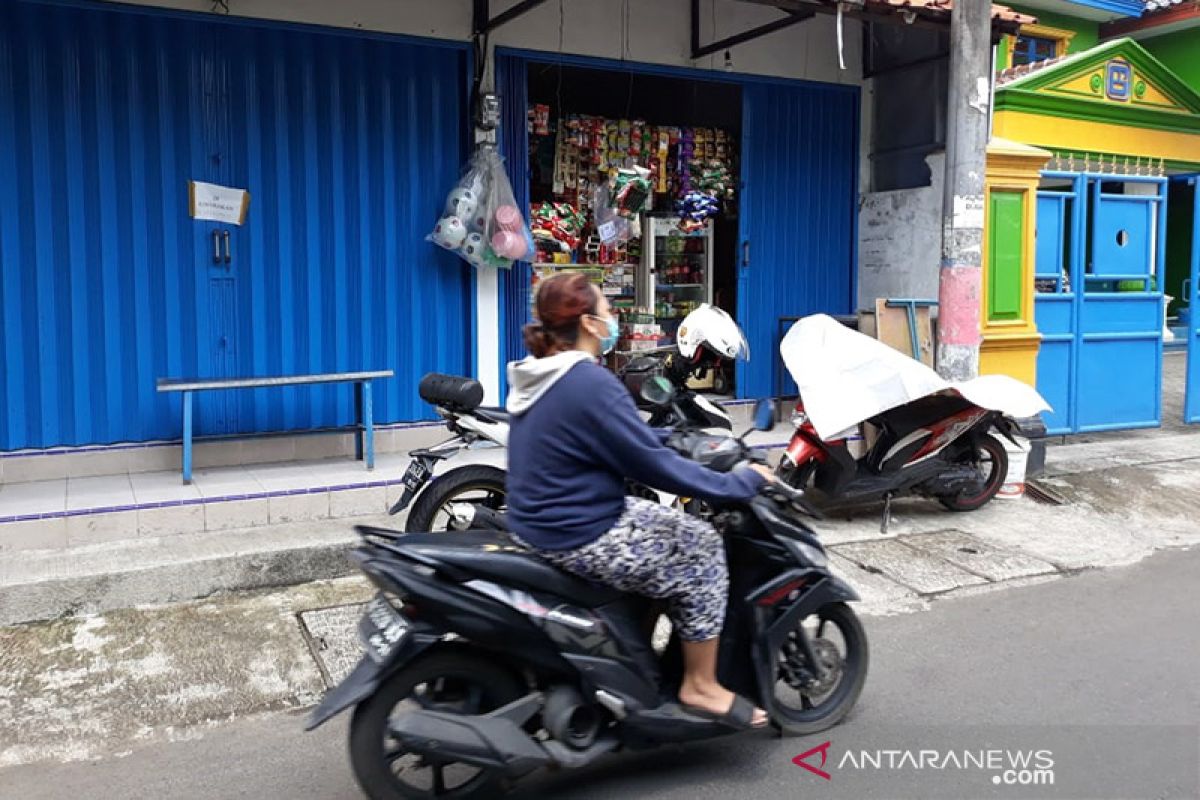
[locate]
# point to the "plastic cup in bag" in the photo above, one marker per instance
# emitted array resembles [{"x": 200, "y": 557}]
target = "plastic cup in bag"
[
  {"x": 508, "y": 218},
  {"x": 509, "y": 244}
]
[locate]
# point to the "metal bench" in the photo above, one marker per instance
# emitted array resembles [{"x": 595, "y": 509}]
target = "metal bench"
[{"x": 364, "y": 440}]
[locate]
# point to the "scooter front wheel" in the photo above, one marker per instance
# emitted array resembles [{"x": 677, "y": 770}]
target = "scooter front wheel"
[{"x": 808, "y": 698}]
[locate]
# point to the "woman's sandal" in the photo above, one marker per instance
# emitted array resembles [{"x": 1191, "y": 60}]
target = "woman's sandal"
[{"x": 740, "y": 715}]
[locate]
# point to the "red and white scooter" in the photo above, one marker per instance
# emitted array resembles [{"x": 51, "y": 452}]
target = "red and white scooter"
[{"x": 873, "y": 424}]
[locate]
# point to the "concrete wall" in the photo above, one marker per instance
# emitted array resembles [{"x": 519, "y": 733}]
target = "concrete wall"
[{"x": 900, "y": 246}]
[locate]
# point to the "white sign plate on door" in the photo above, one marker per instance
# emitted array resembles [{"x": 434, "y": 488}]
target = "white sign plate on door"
[{"x": 208, "y": 201}]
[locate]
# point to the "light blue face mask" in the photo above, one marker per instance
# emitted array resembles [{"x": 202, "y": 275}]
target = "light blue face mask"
[{"x": 607, "y": 343}]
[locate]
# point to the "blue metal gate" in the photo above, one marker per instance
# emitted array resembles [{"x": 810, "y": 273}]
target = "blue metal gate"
[
  {"x": 512, "y": 84},
  {"x": 346, "y": 143},
  {"x": 797, "y": 214},
  {"x": 1191, "y": 403},
  {"x": 1100, "y": 256}
]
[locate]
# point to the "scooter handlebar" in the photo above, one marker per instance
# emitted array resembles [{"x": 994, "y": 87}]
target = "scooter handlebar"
[{"x": 783, "y": 494}]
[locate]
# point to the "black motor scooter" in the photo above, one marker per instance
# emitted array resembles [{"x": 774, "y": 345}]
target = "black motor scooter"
[{"x": 484, "y": 662}]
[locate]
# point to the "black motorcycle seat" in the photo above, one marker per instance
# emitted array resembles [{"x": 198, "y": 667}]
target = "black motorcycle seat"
[
  {"x": 455, "y": 392},
  {"x": 495, "y": 556},
  {"x": 492, "y": 414},
  {"x": 922, "y": 413}
]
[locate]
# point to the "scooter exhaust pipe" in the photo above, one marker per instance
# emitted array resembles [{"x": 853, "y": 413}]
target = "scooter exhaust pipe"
[
  {"x": 493, "y": 741},
  {"x": 481, "y": 741},
  {"x": 473, "y": 516}
]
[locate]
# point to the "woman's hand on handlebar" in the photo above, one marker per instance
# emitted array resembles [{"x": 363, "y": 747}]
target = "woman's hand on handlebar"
[
  {"x": 781, "y": 493},
  {"x": 766, "y": 472}
]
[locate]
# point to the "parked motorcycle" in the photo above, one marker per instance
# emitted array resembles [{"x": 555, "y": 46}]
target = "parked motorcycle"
[
  {"x": 483, "y": 662},
  {"x": 874, "y": 424},
  {"x": 938, "y": 447},
  {"x": 473, "y": 427},
  {"x": 706, "y": 338}
]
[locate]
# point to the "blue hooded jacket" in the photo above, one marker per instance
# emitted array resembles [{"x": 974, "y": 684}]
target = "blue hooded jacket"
[{"x": 575, "y": 437}]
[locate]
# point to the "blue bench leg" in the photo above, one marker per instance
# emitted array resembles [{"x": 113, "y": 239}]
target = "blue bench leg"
[
  {"x": 368, "y": 426},
  {"x": 187, "y": 437}
]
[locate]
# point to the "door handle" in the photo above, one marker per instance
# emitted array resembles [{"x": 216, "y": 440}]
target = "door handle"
[
  {"x": 216, "y": 239},
  {"x": 746, "y": 253},
  {"x": 228, "y": 249}
]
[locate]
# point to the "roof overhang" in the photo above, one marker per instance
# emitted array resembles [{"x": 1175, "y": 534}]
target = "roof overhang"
[
  {"x": 918, "y": 13},
  {"x": 1094, "y": 10},
  {"x": 1155, "y": 23}
]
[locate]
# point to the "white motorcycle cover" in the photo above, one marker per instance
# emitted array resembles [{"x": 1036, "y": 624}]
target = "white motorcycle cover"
[{"x": 846, "y": 377}]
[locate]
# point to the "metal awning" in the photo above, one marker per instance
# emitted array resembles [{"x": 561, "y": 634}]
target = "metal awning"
[{"x": 918, "y": 13}]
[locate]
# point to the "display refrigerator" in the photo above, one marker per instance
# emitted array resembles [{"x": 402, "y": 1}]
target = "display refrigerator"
[{"x": 677, "y": 268}]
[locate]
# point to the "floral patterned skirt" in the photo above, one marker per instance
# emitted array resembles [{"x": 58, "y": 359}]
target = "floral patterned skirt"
[{"x": 658, "y": 552}]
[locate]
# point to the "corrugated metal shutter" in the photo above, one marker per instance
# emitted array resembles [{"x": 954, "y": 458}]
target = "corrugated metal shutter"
[
  {"x": 512, "y": 85},
  {"x": 800, "y": 179},
  {"x": 346, "y": 144}
]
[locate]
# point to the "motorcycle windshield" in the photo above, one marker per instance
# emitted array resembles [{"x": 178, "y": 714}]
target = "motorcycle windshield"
[{"x": 846, "y": 378}]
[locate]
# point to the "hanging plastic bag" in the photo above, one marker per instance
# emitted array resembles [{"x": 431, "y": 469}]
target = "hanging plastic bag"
[
  {"x": 480, "y": 221},
  {"x": 611, "y": 227}
]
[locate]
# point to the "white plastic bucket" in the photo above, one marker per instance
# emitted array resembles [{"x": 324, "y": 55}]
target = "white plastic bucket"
[{"x": 1018, "y": 454}]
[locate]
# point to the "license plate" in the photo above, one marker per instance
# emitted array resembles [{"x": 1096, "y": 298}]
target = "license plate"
[
  {"x": 416, "y": 475},
  {"x": 381, "y": 628}
]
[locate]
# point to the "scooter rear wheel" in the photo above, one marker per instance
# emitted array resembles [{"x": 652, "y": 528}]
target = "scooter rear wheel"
[
  {"x": 446, "y": 681},
  {"x": 474, "y": 483},
  {"x": 991, "y": 457}
]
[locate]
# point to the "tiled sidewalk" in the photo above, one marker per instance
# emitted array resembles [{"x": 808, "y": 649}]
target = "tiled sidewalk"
[
  {"x": 68, "y": 512},
  {"x": 65, "y": 512}
]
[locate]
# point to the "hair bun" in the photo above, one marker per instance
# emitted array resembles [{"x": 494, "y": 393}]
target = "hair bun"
[{"x": 538, "y": 341}]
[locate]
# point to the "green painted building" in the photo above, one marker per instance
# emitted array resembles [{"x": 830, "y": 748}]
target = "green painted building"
[{"x": 1169, "y": 30}]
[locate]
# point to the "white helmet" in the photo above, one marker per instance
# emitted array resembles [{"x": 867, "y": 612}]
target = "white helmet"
[{"x": 713, "y": 328}]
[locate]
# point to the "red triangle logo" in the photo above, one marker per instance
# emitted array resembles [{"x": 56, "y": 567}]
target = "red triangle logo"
[{"x": 800, "y": 761}]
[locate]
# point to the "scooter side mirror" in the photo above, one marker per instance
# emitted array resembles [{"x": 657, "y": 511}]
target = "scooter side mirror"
[
  {"x": 764, "y": 415},
  {"x": 658, "y": 391}
]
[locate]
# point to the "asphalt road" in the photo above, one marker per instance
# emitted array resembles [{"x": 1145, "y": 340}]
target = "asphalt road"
[{"x": 1093, "y": 670}]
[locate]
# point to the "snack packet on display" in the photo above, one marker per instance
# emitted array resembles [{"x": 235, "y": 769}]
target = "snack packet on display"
[{"x": 630, "y": 191}]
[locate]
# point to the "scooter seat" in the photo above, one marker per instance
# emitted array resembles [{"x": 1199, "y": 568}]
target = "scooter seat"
[
  {"x": 495, "y": 556},
  {"x": 454, "y": 392}
]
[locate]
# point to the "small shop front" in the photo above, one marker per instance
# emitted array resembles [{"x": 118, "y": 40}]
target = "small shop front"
[
  {"x": 671, "y": 188},
  {"x": 1117, "y": 137}
]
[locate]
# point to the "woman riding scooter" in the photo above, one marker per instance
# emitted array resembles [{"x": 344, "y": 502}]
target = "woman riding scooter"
[{"x": 576, "y": 437}]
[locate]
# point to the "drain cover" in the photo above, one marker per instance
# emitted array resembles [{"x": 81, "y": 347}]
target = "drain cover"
[
  {"x": 332, "y": 636},
  {"x": 1044, "y": 494}
]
